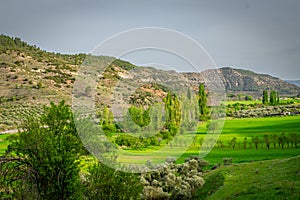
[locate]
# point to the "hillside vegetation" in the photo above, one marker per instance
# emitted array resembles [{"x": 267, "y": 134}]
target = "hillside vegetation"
[
  {"x": 274, "y": 179},
  {"x": 31, "y": 77}
]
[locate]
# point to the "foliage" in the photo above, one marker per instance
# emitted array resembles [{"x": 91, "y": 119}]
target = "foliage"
[
  {"x": 103, "y": 182},
  {"x": 202, "y": 102},
  {"x": 140, "y": 116},
  {"x": 265, "y": 97},
  {"x": 43, "y": 157},
  {"x": 123, "y": 64},
  {"x": 107, "y": 120},
  {"x": 173, "y": 117},
  {"x": 274, "y": 98},
  {"x": 171, "y": 181}
]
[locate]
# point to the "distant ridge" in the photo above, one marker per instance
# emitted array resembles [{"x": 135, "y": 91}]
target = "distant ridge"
[
  {"x": 249, "y": 82},
  {"x": 295, "y": 82}
]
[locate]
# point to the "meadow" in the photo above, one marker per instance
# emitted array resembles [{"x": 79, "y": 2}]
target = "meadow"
[
  {"x": 248, "y": 128},
  {"x": 241, "y": 129}
]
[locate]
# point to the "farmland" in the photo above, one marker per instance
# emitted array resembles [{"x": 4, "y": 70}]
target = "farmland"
[{"x": 240, "y": 129}]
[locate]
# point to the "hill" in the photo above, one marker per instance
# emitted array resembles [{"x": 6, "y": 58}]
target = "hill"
[
  {"x": 31, "y": 77},
  {"x": 247, "y": 82},
  {"x": 272, "y": 179},
  {"x": 295, "y": 82}
]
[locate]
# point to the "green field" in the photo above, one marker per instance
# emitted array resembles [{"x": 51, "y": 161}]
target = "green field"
[
  {"x": 248, "y": 128},
  {"x": 287, "y": 101},
  {"x": 243, "y": 102},
  {"x": 239, "y": 128}
]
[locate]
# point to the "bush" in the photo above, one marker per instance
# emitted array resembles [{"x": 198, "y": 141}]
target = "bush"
[
  {"x": 103, "y": 182},
  {"x": 171, "y": 181}
]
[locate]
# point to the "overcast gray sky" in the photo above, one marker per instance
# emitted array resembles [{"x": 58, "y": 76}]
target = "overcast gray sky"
[{"x": 259, "y": 35}]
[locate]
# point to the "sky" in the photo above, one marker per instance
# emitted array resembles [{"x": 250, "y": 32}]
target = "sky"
[{"x": 258, "y": 35}]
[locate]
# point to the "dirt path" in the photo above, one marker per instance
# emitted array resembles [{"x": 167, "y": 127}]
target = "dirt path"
[{"x": 9, "y": 131}]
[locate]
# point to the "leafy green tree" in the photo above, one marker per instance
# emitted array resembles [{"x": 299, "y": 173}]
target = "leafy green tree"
[
  {"x": 140, "y": 116},
  {"x": 173, "y": 117},
  {"x": 267, "y": 140},
  {"x": 274, "y": 140},
  {"x": 202, "y": 102},
  {"x": 44, "y": 157},
  {"x": 265, "y": 97},
  {"x": 107, "y": 120},
  {"x": 255, "y": 140},
  {"x": 233, "y": 142},
  {"x": 248, "y": 98},
  {"x": 245, "y": 143},
  {"x": 274, "y": 98},
  {"x": 106, "y": 183}
]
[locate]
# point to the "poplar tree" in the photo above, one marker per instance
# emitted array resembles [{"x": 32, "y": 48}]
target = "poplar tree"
[
  {"x": 202, "y": 102},
  {"x": 265, "y": 97}
]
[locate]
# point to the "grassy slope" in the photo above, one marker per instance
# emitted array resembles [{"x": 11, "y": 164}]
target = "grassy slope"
[{"x": 274, "y": 179}]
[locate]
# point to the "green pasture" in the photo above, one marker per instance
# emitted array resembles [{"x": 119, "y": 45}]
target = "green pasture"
[
  {"x": 243, "y": 102},
  {"x": 282, "y": 101},
  {"x": 239, "y": 128},
  {"x": 242, "y": 155},
  {"x": 248, "y": 127},
  {"x": 3, "y": 144}
]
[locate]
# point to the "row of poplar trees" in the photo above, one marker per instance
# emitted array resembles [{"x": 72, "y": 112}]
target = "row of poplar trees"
[{"x": 273, "y": 100}]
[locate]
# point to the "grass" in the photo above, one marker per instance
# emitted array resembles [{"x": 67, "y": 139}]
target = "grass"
[
  {"x": 240, "y": 155},
  {"x": 3, "y": 144},
  {"x": 243, "y": 102},
  {"x": 239, "y": 128},
  {"x": 282, "y": 101},
  {"x": 274, "y": 179},
  {"x": 248, "y": 128}
]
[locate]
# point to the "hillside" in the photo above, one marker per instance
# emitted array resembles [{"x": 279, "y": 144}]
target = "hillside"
[
  {"x": 272, "y": 179},
  {"x": 295, "y": 82},
  {"x": 31, "y": 77},
  {"x": 248, "y": 82}
]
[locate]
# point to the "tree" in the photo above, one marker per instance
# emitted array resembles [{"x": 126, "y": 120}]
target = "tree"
[
  {"x": 245, "y": 143},
  {"x": 277, "y": 98},
  {"x": 255, "y": 140},
  {"x": 106, "y": 183},
  {"x": 265, "y": 97},
  {"x": 248, "y": 98},
  {"x": 274, "y": 140},
  {"x": 107, "y": 120},
  {"x": 267, "y": 140},
  {"x": 44, "y": 157},
  {"x": 140, "y": 116},
  {"x": 202, "y": 102},
  {"x": 39, "y": 85},
  {"x": 173, "y": 117},
  {"x": 274, "y": 98},
  {"x": 233, "y": 142}
]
